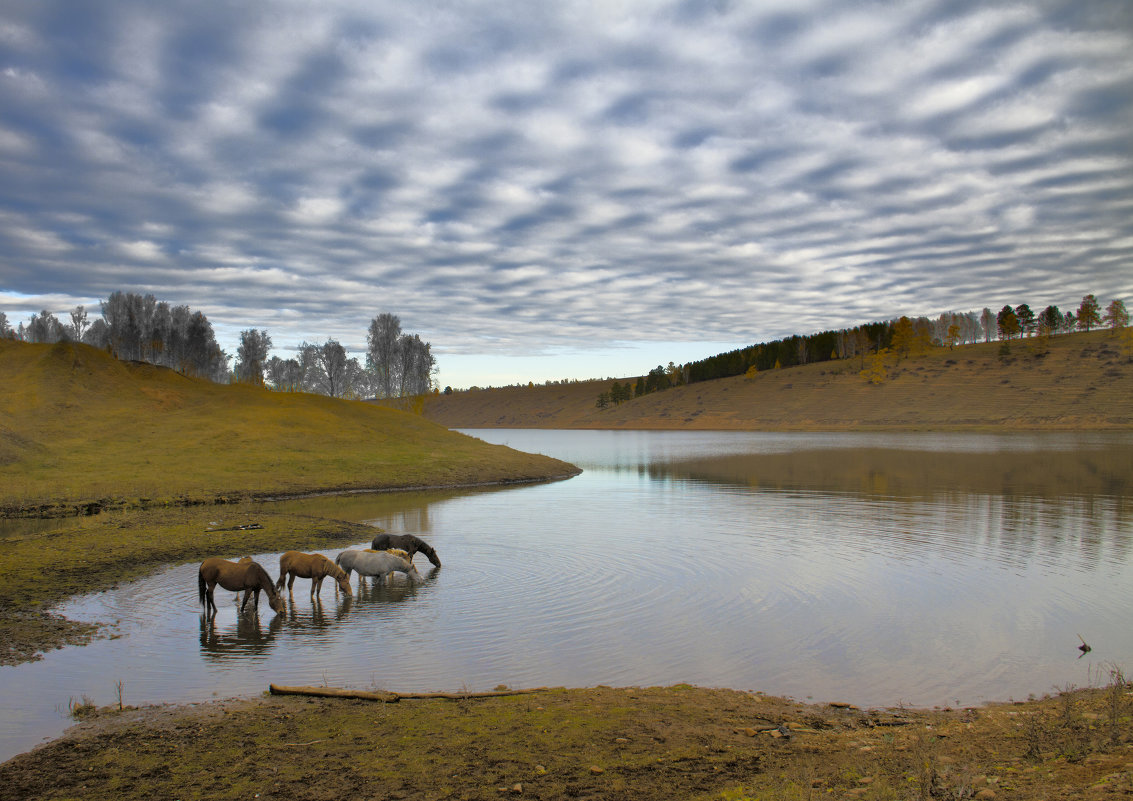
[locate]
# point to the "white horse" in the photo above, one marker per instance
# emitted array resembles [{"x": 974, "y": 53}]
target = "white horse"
[{"x": 377, "y": 563}]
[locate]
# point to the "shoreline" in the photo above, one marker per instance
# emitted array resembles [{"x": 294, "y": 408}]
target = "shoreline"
[
  {"x": 678, "y": 741},
  {"x": 87, "y": 509}
]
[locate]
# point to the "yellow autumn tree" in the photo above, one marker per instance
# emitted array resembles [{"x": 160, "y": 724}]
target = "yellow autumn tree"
[
  {"x": 878, "y": 368},
  {"x": 903, "y": 338}
]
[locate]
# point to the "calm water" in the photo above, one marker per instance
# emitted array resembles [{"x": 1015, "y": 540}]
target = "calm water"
[{"x": 874, "y": 569}]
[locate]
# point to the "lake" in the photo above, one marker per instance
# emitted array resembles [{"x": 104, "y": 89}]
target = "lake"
[{"x": 876, "y": 569}]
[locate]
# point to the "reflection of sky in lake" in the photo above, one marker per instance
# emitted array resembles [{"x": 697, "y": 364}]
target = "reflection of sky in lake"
[{"x": 657, "y": 565}]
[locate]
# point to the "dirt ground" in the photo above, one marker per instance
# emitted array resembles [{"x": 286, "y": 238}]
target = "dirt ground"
[{"x": 643, "y": 743}]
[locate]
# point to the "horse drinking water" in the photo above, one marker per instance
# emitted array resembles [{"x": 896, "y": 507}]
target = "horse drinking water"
[
  {"x": 410, "y": 543},
  {"x": 314, "y": 566},
  {"x": 236, "y": 576},
  {"x": 376, "y": 563}
]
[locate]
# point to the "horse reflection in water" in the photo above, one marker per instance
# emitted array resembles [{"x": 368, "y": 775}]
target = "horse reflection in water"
[
  {"x": 247, "y": 638},
  {"x": 236, "y": 576},
  {"x": 316, "y": 618}
]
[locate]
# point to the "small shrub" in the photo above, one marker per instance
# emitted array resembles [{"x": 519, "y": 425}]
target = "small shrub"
[{"x": 81, "y": 709}]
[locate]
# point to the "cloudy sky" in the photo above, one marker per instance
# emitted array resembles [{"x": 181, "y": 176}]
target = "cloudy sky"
[{"x": 565, "y": 189}]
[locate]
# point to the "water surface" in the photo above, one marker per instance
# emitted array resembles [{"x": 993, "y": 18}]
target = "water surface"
[{"x": 877, "y": 569}]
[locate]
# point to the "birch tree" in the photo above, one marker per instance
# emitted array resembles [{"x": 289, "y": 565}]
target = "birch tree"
[
  {"x": 252, "y": 355},
  {"x": 381, "y": 352}
]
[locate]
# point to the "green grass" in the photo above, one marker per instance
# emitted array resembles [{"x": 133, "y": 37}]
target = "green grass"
[{"x": 79, "y": 427}]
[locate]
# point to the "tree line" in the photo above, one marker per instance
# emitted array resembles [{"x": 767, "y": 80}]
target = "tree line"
[
  {"x": 898, "y": 337},
  {"x": 136, "y": 327}
]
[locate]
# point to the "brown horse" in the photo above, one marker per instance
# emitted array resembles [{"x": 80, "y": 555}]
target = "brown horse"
[
  {"x": 314, "y": 566},
  {"x": 236, "y": 576}
]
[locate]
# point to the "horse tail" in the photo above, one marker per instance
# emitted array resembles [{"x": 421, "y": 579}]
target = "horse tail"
[
  {"x": 201, "y": 587},
  {"x": 380, "y": 543}
]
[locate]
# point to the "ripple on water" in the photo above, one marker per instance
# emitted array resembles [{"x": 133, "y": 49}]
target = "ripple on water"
[{"x": 620, "y": 577}]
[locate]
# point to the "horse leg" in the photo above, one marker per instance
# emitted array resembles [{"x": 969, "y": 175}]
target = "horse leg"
[
  {"x": 210, "y": 604},
  {"x": 290, "y": 584}
]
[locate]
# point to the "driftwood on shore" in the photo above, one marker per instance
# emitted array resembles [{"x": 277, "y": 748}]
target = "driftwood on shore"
[{"x": 390, "y": 697}]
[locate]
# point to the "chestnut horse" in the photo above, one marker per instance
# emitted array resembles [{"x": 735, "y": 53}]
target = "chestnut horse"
[
  {"x": 236, "y": 576},
  {"x": 409, "y": 543},
  {"x": 314, "y": 566}
]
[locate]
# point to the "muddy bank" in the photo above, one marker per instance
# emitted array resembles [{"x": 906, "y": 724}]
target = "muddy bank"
[{"x": 660, "y": 742}]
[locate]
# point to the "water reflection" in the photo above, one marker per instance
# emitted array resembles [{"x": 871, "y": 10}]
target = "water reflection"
[
  {"x": 316, "y": 618},
  {"x": 874, "y": 569},
  {"x": 1105, "y": 470},
  {"x": 373, "y": 591},
  {"x": 248, "y": 638}
]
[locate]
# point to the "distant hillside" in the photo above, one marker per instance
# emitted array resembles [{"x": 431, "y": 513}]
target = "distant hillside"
[
  {"x": 1084, "y": 381},
  {"x": 79, "y": 427}
]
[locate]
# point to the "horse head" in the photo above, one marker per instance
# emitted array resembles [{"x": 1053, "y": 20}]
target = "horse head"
[
  {"x": 412, "y": 574},
  {"x": 343, "y": 581},
  {"x": 275, "y": 601}
]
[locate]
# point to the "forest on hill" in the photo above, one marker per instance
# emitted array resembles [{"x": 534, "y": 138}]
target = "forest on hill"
[
  {"x": 877, "y": 346},
  {"x": 135, "y": 327},
  {"x": 1078, "y": 381}
]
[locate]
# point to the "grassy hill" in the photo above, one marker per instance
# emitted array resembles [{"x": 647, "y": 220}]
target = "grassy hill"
[
  {"x": 1082, "y": 381},
  {"x": 78, "y": 427}
]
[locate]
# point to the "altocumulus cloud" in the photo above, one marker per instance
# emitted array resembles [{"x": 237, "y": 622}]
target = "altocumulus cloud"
[{"x": 526, "y": 178}]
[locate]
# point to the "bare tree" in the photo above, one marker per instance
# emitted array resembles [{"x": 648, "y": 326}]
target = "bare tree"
[
  {"x": 285, "y": 375},
  {"x": 79, "y": 323},
  {"x": 44, "y": 328},
  {"x": 324, "y": 368},
  {"x": 988, "y": 323}
]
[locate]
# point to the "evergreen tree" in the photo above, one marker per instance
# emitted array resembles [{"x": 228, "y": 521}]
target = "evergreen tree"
[
  {"x": 1088, "y": 313},
  {"x": 1050, "y": 319},
  {"x": 1007, "y": 322},
  {"x": 1026, "y": 319},
  {"x": 1116, "y": 317}
]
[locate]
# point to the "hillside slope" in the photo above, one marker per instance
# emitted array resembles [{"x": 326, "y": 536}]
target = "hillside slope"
[
  {"x": 79, "y": 427},
  {"x": 1084, "y": 381}
]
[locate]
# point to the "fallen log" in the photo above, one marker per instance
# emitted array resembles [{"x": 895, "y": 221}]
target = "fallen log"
[
  {"x": 390, "y": 697},
  {"x": 334, "y": 692},
  {"x": 485, "y": 694}
]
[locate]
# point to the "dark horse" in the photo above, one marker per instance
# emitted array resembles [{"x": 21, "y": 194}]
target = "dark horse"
[
  {"x": 236, "y": 576},
  {"x": 407, "y": 542}
]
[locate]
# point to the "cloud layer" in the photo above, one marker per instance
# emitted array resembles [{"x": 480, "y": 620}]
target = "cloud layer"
[{"x": 519, "y": 178}]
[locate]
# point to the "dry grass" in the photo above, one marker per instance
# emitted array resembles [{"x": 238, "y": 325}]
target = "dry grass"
[
  {"x": 1080, "y": 381},
  {"x": 78, "y": 427},
  {"x": 645, "y": 743}
]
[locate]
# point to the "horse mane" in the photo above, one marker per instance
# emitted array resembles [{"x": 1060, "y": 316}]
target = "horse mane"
[
  {"x": 262, "y": 575},
  {"x": 398, "y": 552}
]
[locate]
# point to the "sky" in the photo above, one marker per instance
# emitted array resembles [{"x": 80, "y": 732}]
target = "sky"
[{"x": 574, "y": 189}]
